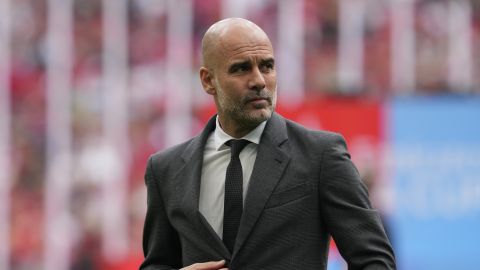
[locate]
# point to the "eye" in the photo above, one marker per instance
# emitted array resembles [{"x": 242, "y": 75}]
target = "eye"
[
  {"x": 267, "y": 66},
  {"x": 239, "y": 68}
]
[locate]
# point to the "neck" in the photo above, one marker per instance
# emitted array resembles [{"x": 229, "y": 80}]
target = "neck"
[{"x": 235, "y": 129}]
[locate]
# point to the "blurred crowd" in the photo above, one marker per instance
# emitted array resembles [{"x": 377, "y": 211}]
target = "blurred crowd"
[{"x": 147, "y": 50}]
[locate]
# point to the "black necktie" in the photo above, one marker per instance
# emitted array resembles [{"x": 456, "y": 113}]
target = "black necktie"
[{"x": 233, "y": 208}]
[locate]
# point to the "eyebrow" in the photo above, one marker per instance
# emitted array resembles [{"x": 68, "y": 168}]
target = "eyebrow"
[
  {"x": 268, "y": 60},
  {"x": 240, "y": 63}
]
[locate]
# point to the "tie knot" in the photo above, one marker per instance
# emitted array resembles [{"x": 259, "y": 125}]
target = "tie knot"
[{"x": 237, "y": 146}]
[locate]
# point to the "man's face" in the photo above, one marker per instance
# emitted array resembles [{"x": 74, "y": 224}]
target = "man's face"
[{"x": 245, "y": 79}]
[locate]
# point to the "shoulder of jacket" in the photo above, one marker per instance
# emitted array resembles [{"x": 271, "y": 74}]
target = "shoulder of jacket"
[
  {"x": 170, "y": 153},
  {"x": 295, "y": 128}
]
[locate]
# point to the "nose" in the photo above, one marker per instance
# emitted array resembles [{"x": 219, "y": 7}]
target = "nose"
[{"x": 256, "y": 81}]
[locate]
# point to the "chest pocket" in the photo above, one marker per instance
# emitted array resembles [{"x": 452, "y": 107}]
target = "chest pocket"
[{"x": 289, "y": 195}]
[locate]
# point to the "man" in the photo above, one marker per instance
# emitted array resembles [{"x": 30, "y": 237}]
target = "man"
[{"x": 299, "y": 186}]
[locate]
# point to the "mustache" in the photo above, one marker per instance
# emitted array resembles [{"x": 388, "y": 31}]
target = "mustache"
[{"x": 258, "y": 95}]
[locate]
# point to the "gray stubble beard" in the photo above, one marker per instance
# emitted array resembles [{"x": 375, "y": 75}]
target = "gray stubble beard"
[{"x": 239, "y": 113}]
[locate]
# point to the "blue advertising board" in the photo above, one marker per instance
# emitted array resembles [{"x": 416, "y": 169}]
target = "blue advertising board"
[{"x": 434, "y": 162}]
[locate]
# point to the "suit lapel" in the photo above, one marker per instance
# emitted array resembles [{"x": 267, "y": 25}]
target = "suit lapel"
[
  {"x": 188, "y": 189},
  {"x": 269, "y": 165}
]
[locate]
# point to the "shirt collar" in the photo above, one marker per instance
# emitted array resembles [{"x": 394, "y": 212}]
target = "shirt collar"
[{"x": 221, "y": 137}]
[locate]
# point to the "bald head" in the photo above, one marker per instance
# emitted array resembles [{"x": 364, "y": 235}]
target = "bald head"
[{"x": 227, "y": 33}]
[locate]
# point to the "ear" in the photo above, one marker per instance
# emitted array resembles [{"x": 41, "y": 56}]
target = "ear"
[{"x": 206, "y": 78}]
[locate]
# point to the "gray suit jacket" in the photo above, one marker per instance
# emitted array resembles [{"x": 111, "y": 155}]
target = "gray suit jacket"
[{"x": 303, "y": 189}]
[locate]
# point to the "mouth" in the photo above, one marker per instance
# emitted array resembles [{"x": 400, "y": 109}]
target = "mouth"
[
  {"x": 258, "y": 102},
  {"x": 257, "y": 99}
]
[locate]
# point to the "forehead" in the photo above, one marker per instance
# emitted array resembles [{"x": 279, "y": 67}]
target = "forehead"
[
  {"x": 243, "y": 44},
  {"x": 247, "y": 51}
]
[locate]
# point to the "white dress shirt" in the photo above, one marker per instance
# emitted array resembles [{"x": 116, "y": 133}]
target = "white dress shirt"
[{"x": 215, "y": 161}]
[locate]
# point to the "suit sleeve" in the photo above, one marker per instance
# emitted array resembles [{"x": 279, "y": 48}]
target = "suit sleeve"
[
  {"x": 161, "y": 246},
  {"x": 356, "y": 227}
]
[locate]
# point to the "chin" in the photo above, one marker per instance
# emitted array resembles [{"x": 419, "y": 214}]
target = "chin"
[{"x": 259, "y": 116}]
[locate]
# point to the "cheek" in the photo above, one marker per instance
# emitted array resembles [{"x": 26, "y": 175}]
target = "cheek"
[
  {"x": 271, "y": 81},
  {"x": 233, "y": 89},
  {"x": 225, "y": 96}
]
